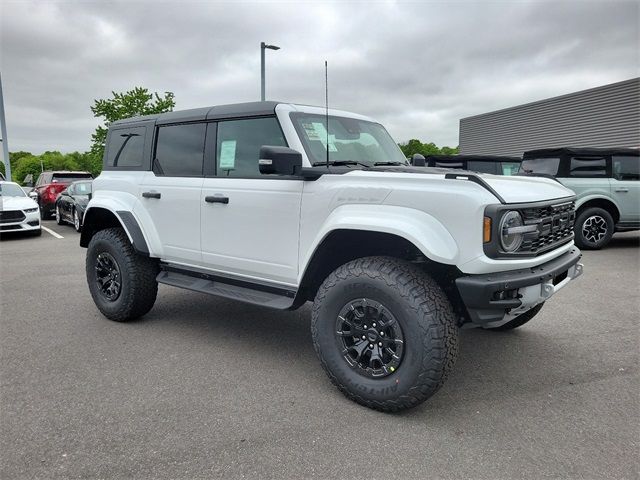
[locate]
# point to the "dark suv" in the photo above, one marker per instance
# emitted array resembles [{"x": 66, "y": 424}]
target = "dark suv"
[
  {"x": 50, "y": 184},
  {"x": 606, "y": 182}
]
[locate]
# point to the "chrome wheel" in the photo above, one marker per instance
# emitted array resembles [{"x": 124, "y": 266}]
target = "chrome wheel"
[
  {"x": 594, "y": 229},
  {"x": 108, "y": 276},
  {"x": 58, "y": 216},
  {"x": 370, "y": 338},
  {"x": 76, "y": 220}
]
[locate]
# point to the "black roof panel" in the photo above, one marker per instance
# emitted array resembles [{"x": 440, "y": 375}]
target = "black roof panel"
[
  {"x": 558, "y": 152},
  {"x": 249, "y": 109}
]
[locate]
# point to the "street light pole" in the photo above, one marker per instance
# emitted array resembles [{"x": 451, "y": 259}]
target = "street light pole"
[
  {"x": 3, "y": 132},
  {"x": 263, "y": 47}
]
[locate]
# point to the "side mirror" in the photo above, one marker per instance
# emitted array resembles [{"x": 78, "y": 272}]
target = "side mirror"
[
  {"x": 33, "y": 196},
  {"x": 279, "y": 160},
  {"x": 418, "y": 160}
]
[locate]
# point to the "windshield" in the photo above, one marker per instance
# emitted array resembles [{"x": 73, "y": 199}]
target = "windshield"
[
  {"x": 548, "y": 166},
  {"x": 83, "y": 188},
  {"x": 11, "y": 190},
  {"x": 349, "y": 140}
]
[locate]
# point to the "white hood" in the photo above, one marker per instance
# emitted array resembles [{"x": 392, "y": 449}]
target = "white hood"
[
  {"x": 526, "y": 189},
  {"x": 16, "y": 203}
]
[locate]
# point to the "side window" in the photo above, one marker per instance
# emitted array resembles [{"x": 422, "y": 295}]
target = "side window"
[
  {"x": 239, "y": 142},
  {"x": 588, "y": 167},
  {"x": 180, "y": 150},
  {"x": 509, "y": 168},
  {"x": 126, "y": 147},
  {"x": 626, "y": 167},
  {"x": 482, "y": 166},
  {"x": 71, "y": 190}
]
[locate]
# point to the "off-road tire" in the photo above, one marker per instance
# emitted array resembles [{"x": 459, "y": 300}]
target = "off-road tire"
[
  {"x": 424, "y": 314},
  {"x": 518, "y": 321},
  {"x": 138, "y": 276},
  {"x": 585, "y": 243}
]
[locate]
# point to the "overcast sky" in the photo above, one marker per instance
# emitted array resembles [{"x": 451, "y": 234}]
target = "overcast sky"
[{"x": 418, "y": 67}]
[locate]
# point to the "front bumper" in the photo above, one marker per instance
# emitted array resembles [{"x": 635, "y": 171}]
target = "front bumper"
[
  {"x": 496, "y": 298},
  {"x": 31, "y": 222}
]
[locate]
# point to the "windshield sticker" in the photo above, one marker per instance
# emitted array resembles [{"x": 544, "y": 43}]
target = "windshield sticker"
[
  {"x": 228, "y": 155},
  {"x": 316, "y": 131}
]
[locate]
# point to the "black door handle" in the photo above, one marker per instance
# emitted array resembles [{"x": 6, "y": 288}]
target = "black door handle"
[
  {"x": 216, "y": 199},
  {"x": 151, "y": 194}
]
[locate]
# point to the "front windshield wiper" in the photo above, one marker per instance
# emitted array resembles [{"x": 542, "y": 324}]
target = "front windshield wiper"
[
  {"x": 378, "y": 164},
  {"x": 338, "y": 163}
]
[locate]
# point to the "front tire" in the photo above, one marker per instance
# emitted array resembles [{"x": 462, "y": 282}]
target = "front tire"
[
  {"x": 594, "y": 228},
  {"x": 385, "y": 333},
  {"x": 77, "y": 223},
  {"x": 122, "y": 283}
]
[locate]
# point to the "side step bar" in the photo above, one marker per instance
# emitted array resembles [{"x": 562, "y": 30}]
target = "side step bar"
[{"x": 235, "y": 289}]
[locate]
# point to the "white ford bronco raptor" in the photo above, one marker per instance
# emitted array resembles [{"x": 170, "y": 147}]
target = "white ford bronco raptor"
[{"x": 277, "y": 204}]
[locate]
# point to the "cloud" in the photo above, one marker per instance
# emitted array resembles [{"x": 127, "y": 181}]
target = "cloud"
[{"x": 417, "y": 67}]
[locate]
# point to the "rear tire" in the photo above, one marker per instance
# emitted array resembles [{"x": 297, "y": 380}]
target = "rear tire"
[
  {"x": 408, "y": 305},
  {"x": 594, "y": 228},
  {"x": 122, "y": 283},
  {"x": 518, "y": 321},
  {"x": 43, "y": 215}
]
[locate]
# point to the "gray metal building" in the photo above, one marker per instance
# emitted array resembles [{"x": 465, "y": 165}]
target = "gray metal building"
[{"x": 607, "y": 116}]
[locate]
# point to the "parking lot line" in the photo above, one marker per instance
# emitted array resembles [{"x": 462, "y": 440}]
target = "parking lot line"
[{"x": 57, "y": 235}]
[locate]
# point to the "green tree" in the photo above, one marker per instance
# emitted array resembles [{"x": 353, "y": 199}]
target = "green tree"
[
  {"x": 414, "y": 146},
  {"x": 124, "y": 105}
]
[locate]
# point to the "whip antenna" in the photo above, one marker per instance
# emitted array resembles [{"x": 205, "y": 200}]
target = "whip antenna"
[{"x": 326, "y": 105}]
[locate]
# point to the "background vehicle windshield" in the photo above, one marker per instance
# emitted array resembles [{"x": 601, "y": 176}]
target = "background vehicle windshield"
[
  {"x": 541, "y": 165},
  {"x": 11, "y": 190},
  {"x": 82, "y": 188},
  {"x": 350, "y": 139}
]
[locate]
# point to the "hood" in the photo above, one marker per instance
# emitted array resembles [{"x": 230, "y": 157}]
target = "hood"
[
  {"x": 526, "y": 189},
  {"x": 513, "y": 189},
  {"x": 16, "y": 203}
]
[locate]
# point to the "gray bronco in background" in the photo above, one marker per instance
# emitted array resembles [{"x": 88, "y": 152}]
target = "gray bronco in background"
[{"x": 606, "y": 183}]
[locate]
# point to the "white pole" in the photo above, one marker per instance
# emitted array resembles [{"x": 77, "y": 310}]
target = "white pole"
[{"x": 5, "y": 145}]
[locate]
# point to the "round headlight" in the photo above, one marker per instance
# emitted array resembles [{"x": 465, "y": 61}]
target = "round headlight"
[{"x": 510, "y": 240}]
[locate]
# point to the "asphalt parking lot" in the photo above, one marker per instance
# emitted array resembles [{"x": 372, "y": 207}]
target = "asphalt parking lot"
[{"x": 203, "y": 387}]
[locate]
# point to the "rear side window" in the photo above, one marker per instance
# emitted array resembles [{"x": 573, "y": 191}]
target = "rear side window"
[
  {"x": 69, "y": 177},
  {"x": 626, "y": 167},
  {"x": 126, "y": 147},
  {"x": 588, "y": 167},
  {"x": 180, "y": 150},
  {"x": 239, "y": 142},
  {"x": 548, "y": 166}
]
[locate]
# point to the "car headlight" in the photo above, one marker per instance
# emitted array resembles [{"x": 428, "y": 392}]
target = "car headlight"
[
  {"x": 511, "y": 231},
  {"x": 30, "y": 210}
]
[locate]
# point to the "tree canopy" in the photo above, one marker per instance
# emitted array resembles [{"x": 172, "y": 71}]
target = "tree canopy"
[
  {"x": 133, "y": 103},
  {"x": 416, "y": 146}
]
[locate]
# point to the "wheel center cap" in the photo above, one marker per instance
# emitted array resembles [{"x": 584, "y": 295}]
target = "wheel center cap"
[{"x": 372, "y": 336}]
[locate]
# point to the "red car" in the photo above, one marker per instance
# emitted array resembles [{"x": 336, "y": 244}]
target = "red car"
[{"x": 49, "y": 185}]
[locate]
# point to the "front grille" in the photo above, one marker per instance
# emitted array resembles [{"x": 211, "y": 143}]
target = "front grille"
[
  {"x": 11, "y": 216},
  {"x": 555, "y": 227}
]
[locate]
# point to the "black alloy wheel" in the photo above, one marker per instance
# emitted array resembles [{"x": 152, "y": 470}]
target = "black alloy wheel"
[
  {"x": 370, "y": 338},
  {"x": 108, "y": 277}
]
